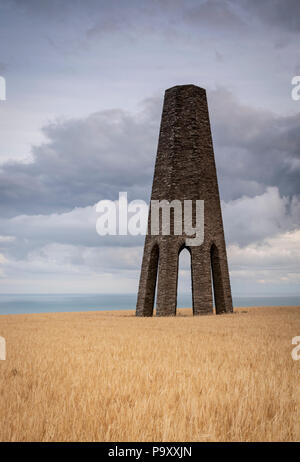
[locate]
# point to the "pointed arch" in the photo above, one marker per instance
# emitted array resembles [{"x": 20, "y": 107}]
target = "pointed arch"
[{"x": 183, "y": 248}]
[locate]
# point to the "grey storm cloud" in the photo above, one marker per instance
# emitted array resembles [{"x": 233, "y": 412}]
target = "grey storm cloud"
[
  {"x": 101, "y": 17},
  {"x": 220, "y": 12},
  {"x": 214, "y": 13},
  {"x": 83, "y": 162},
  {"x": 254, "y": 148},
  {"x": 278, "y": 13},
  {"x": 50, "y": 200},
  {"x": 86, "y": 160},
  {"x": 70, "y": 25},
  {"x": 79, "y": 50}
]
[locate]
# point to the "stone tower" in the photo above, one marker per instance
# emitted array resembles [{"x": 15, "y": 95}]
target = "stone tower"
[{"x": 185, "y": 169}]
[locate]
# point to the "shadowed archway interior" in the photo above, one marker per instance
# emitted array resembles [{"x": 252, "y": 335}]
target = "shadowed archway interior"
[{"x": 184, "y": 282}]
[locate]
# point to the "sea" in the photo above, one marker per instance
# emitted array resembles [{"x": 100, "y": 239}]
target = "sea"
[{"x": 51, "y": 303}]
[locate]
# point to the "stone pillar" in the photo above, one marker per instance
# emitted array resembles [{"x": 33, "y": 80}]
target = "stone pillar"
[
  {"x": 201, "y": 281},
  {"x": 148, "y": 278},
  {"x": 167, "y": 278}
]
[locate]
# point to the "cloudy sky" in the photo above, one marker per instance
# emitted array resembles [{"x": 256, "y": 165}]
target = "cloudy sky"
[{"x": 85, "y": 83}]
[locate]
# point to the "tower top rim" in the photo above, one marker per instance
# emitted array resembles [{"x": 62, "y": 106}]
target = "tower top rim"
[{"x": 183, "y": 87}]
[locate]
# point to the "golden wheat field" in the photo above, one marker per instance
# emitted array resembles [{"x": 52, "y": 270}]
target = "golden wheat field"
[{"x": 109, "y": 376}]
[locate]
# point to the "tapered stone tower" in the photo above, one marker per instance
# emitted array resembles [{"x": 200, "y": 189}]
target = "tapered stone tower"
[{"x": 185, "y": 170}]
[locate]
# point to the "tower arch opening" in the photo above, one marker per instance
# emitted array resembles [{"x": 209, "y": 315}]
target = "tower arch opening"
[{"x": 184, "y": 279}]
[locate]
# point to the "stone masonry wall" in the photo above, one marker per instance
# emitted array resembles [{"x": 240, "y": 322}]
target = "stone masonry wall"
[{"x": 185, "y": 169}]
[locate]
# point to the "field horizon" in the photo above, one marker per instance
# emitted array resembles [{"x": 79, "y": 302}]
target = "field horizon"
[{"x": 110, "y": 376}]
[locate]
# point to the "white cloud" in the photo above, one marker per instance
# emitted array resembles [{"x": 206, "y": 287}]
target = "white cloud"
[
  {"x": 67, "y": 268},
  {"x": 272, "y": 261},
  {"x": 250, "y": 219}
]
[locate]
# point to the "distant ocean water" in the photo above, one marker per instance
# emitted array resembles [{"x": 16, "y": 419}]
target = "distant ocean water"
[{"x": 40, "y": 303}]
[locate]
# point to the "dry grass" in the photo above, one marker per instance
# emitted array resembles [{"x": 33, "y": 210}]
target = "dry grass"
[{"x": 109, "y": 376}]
